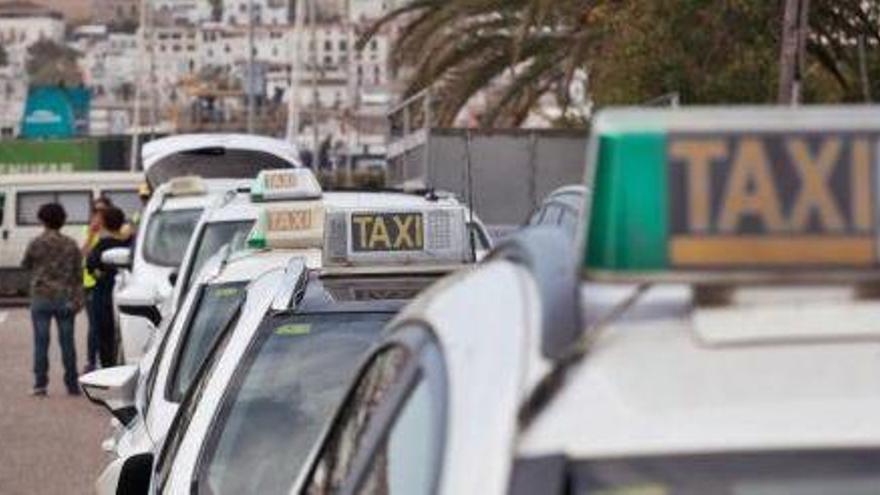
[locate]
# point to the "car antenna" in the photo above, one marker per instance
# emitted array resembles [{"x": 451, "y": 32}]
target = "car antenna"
[{"x": 470, "y": 190}]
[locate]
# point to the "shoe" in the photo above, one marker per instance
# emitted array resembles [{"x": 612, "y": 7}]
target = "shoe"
[
  {"x": 88, "y": 368},
  {"x": 39, "y": 392},
  {"x": 73, "y": 391}
]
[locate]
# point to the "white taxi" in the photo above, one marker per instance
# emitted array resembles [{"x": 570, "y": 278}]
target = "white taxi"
[
  {"x": 716, "y": 333},
  {"x": 188, "y": 173},
  {"x": 296, "y": 223}
]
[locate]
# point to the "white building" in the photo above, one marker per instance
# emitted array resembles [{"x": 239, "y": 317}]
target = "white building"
[
  {"x": 191, "y": 12},
  {"x": 266, "y": 12},
  {"x": 22, "y": 24}
]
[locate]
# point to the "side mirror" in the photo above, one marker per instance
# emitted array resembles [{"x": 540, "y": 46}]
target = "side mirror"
[
  {"x": 113, "y": 388},
  {"x": 135, "y": 300},
  {"x": 119, "y": 258}
]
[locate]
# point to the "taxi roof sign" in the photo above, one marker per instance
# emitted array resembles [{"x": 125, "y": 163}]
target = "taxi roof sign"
[
  {"x": 297, "y": 225},
  {"x": 397, "y": 236},
  {"x": 189, "y": 185},
  {"x": 750, "y": 194},
  {"x": 286, "y": 184}
]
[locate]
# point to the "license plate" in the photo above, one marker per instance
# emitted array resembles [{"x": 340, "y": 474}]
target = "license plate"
[{"x": 376, "y": 232}]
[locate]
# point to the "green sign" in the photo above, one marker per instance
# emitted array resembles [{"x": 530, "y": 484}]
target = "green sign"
[{"x": 34, "y": 157}]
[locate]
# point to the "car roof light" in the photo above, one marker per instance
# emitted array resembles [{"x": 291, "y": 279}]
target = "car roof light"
[
  {"x": 190, "y": 185},
  {"x": 297, "y": 225},
  {"x": 396, "y": 236},
  {"x": 286, "y": 185},
  {"x": 734, "y": 196}
]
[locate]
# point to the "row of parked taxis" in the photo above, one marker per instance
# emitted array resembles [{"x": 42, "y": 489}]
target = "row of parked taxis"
[{"x": 711, "y": 330}]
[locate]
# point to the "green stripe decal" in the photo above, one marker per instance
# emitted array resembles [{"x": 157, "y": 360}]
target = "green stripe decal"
[{"x": 629, "y": 218}]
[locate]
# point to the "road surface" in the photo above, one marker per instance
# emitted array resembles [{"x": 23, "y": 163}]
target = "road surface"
[{"x": 47, "y": 446}]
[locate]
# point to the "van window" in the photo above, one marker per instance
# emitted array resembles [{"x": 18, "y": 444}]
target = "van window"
[
  {"x": 126, "y": 200},
  {"x": 77, "y": 204}
]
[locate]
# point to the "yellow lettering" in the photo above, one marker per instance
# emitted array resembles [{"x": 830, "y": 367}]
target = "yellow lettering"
[
  {"x": 750, "y": 168},
  {"x": 698, "y": 155},
  {"x": 404, "y": 238},
  {"x": 280, "y": 181},
  {"x": 379, "y": 234},
  {"x": 278, "y": 221},
  {"x": 860, "y": 174},
  {"x": 815, "y": 172},
  {"x": 362, "y": 222}
]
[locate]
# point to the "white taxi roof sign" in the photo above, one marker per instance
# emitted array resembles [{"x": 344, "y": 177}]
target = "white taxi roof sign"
[
  {"x": 298, "y": 225},
  {"x": 286, "y": 184},
  {"x": 396, "y": 236},
  {"x": 734, "y": 195},
  {"x": 190, "y": 185}
]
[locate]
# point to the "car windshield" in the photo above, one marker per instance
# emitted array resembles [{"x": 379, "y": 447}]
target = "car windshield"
[
  {"x": 788, "y": 473},
  {"x": 217, "y": 306},
  {"x": 168, "y": 234},
  {"x": 284, "y": 395},
  {"x": 213, "y": 237}
]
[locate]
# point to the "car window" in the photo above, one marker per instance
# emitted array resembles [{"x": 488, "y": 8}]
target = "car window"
[
  {"x": 77, "y": 204},
  {"x": 284, "y": 394},
  {"x": 339, "y": 451},
  {"x": 216, "y": 309},
  {"x": 183, "y": 418},
  {"x": 126, "y": 200},
  {"x": 405, "y": 461},
  {"x": 213, "y": 237},
  {"x": 168, "y": 234}
]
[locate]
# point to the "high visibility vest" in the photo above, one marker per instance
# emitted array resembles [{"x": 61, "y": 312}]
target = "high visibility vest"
[{"x": 88, "y": 280}]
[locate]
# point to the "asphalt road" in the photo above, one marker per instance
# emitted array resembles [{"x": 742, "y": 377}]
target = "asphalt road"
[{"x": 50, "y": 445}]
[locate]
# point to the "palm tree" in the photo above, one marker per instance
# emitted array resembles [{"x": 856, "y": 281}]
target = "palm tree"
[{"x": 518, "y": 50}]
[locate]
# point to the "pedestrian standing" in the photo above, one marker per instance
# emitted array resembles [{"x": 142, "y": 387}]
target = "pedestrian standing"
[
  {"x": 93, "y": 235},
  {"x": 113, "y": 221},
  {"x": 55, "y": 263}
]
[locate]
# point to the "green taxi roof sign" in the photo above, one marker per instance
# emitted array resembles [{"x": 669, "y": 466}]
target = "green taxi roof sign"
[{"x": 746, "y": 194}]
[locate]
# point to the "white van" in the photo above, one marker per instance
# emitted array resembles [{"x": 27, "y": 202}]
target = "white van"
[{"x": 22, "y": 195}]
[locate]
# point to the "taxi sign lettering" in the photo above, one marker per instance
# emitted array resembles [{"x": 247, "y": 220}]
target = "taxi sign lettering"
[
  {"x": 289, "y": 220},
  {"x": 276, "y": 181},
  {"x": 771, "y": 199},
  {"x": 387, "y": 232}
]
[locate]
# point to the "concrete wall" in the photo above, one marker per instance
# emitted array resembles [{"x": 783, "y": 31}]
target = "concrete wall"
[{"x": 511, "y": 170}]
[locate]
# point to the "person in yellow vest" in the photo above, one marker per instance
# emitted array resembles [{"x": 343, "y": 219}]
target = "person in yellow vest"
[
  {"x": 93, "y": 235},
  {"x": 144, "y": 193}
]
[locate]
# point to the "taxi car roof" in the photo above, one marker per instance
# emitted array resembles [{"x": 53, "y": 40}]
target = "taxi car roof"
[
  {"x": 247, "y": 265},
  {"x": 651, "y": 387},
  {"x": 379, "y": 293}
]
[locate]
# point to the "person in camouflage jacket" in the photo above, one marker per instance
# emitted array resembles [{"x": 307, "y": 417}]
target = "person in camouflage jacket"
[{"x": 55, "y": 263}]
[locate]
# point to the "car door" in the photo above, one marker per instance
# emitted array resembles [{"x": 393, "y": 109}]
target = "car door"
[{"x": 389, "y": 435}]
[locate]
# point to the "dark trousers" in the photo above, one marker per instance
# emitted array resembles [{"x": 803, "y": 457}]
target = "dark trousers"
[
  {"x": 42, "y": 313},
  {"x": 92, "y": 338},
  {"x": 105, "y": 324}
]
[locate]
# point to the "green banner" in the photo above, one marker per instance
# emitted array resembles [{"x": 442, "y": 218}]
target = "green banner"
[{"x": 38, "y": 157}]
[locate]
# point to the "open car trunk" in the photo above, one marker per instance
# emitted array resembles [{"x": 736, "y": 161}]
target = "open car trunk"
[{"x": 215, "y": 156}]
